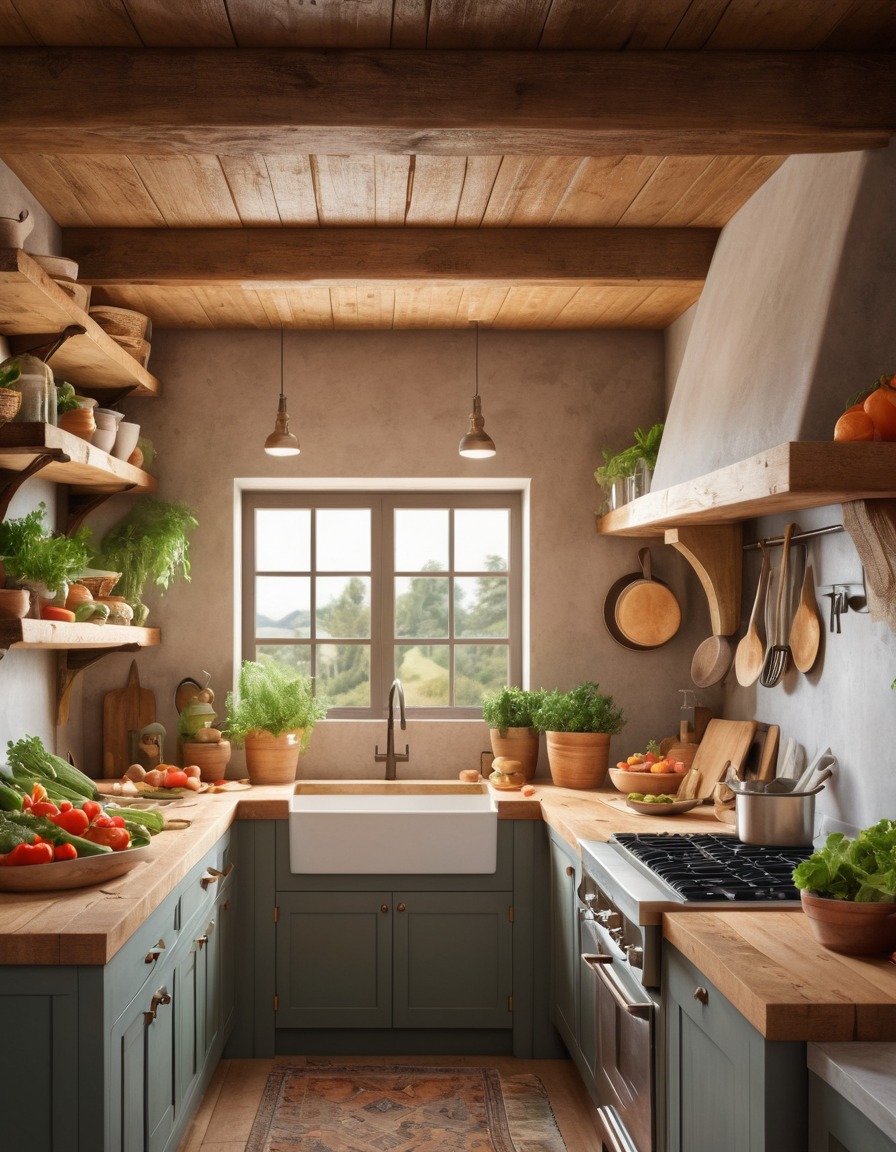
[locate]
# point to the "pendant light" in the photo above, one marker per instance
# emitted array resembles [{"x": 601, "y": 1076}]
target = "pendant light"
[
  {"x": 477, "y": 444},
  {"x": 281, "y": 441}
]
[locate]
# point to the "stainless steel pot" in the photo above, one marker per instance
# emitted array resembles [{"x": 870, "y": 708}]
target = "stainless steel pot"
[{"x": 777, "y": 818}]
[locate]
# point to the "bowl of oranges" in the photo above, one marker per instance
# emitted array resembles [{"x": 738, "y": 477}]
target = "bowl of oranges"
[{"x": 649, "y": 773}]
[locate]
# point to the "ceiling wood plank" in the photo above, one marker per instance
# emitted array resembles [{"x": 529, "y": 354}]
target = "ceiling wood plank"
[
  {"x": 280, "y": 257},
  {"x": 870, "y": 24},
  {"x": 528, "y": 189},
  {"x": 79, "y": 22},
  {"x": 437, "y": 190},
  {"x": 250, "y": 187},
  {"x": 603, "y": 189},
  {"x": 393, "y": 177},
  {"x": 320, "y": 24},
  {"x": 447, "y": 103},
  {"x": 292, "y": 182},
  {"x": 479, "y": 179},
  {"x": 174, "y": 24},
  {"x": 345, "y": 188},
  {"x": 41, "y": 176},
  {"x": 409, "y": 23},
  {"x": 169, "y": 307},
  {"x": 773, "y": 25},
  {"x": 188, "y": 190},
  {"x": 698, "y": 191},
  {"x": 109, "y": 189},
  {"x": 627, "y": 24},
  {"x": 499, "y": 24}
]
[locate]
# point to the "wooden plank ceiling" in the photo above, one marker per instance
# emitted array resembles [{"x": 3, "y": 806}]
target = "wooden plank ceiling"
[{"x": 346, "y": 164}]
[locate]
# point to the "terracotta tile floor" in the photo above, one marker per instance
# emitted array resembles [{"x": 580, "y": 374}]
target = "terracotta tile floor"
[{"x": 225, "y": 1116}]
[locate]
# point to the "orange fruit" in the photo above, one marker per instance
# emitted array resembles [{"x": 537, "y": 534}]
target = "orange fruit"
[
  {"x": 854, "y": 424},
  {"x": 882, "y": 413}
]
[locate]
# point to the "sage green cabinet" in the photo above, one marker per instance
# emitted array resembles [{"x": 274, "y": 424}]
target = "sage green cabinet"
[
  {"x": 727, "y": 1087},
  {"x": 837, "y": 1125},
  {"x": 118, "y": 1056},
  {"x": 394, "y": 959},
  {"x": 566, "y": 871}
]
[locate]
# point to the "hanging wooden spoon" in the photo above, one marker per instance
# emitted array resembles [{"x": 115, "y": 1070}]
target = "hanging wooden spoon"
[
  {"x": 805, "y": 632},
  {"x": 750, "y": 654}
]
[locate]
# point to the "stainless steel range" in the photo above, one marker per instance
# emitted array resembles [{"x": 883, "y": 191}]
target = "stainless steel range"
[{"x": 627, "y": 884}]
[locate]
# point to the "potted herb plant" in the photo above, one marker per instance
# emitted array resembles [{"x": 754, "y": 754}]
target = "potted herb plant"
[
  {"x": 578, "y": 725},
  {"x": 848, "y": 891},
  {"x": 150, "y": 543},
  {"x": 37, "y": 559},
  {"x": 272, "y": 713},
  {"x": 509, "y": 713},
  {"x": 627, "y": 474}
]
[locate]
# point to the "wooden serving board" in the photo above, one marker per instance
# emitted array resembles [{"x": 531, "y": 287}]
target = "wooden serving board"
[
  {"x": 724, "y": 741},
  {"x": 124, "y": 710}
]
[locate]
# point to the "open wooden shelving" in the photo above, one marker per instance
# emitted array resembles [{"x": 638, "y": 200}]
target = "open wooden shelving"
[
  {"x": 787, "y": 478},
  {"x": 31, "y": 633},
  {"x": 702, "y": 518},
  {"x": 32, "y": 305},
  {"x": 70, "y": 460}
]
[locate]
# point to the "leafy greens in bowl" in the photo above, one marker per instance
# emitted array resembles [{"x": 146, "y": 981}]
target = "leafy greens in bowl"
[{"x": 862, "y": 870}]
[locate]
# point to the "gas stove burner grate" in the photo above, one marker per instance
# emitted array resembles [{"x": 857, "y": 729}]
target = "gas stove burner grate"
[{"x": 709, "y": 866}]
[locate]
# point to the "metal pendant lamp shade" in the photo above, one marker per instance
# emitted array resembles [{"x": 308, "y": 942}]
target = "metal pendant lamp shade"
[
  {"x": 477, "y": 444},
  {"x": 281, "y": 441}
]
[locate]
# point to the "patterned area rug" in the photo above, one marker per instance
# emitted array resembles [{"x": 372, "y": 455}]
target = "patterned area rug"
[{"x": 362, "y": 1108}]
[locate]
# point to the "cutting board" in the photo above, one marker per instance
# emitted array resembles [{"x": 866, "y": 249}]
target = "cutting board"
[
  {"x": 723, "y": 741},
  {"x": 124, "y": 710}
]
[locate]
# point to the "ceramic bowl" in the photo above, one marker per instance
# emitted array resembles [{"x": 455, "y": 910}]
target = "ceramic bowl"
[
  {"x": 648, "y": 783},
  {"x": 126, "y": 440},
  {"x": 107, "y": 418}
]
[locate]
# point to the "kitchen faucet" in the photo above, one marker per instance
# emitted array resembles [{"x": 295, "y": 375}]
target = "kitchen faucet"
[{"x": 391, "y": 757}]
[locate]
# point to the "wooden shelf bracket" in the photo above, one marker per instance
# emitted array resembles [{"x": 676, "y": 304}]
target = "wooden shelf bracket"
[
  {"x": 715, "y": 552},
  {"x": 72, "y": 661},
  {"x": 17, "y": 479}
]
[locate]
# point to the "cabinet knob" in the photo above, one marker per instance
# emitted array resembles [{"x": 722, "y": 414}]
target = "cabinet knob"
[
  {"x": 570, "y": 871},
  {"x": 161, "y": 997},
  {"x": 384, "y": 907},
  {"x": 402, "y": 907},
  {"x": 701, "y": 994}
]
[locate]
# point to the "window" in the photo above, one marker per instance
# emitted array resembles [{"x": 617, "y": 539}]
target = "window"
[{"x": 356, "y": 589}]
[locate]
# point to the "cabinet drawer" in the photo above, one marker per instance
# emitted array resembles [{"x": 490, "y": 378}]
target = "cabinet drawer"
[
  {"x": 201, "y": 887},
  {"x": 138, "y": 960}
]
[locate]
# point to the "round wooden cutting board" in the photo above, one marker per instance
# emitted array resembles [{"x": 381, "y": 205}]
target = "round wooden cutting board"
[{"x": 646, "y": 611}]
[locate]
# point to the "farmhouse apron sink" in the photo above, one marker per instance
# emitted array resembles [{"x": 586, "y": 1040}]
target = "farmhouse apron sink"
[{"x": 370, "y": 827}]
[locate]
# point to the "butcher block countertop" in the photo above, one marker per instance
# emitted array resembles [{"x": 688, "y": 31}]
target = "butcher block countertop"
[{"x": 766, "y": 963}]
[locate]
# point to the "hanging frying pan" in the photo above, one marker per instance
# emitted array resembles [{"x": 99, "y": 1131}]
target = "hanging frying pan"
[{"x": 640, "y": 611}]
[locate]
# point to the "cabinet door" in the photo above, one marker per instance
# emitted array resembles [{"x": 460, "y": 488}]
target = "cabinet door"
[
  {"x": 127, "y": 1124},
  {"x": 160, "y": 1088},
  {"x": 334, "y": 960},
  {"x": 564, "y": 941},
  {"x": 727, "y": 1086},
  {"x": 452, "y": 960}
]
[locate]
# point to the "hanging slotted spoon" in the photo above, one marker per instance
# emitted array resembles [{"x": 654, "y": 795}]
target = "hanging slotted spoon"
[
  {"x": 777, "y": 658},
  {"x": 750, "y": 655}
]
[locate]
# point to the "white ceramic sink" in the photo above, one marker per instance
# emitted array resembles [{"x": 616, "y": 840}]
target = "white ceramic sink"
[{"x": 377, "y": 827}]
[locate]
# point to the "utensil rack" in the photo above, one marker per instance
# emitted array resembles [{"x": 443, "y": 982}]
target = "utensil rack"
[{"x": 777, "y": 541}]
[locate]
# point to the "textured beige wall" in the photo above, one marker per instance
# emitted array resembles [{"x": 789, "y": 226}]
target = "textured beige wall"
[
  {"x": 371, "y": 405},
  {"x": 798, "y": 312}
]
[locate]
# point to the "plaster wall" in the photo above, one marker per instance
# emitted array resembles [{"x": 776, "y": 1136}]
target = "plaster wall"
[
  {"x": 796, "y": 315},
  {"x": 379, "y": 405}
]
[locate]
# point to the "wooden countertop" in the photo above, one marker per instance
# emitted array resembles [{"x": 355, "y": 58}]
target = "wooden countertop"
[{"x": 766, "y": 962}]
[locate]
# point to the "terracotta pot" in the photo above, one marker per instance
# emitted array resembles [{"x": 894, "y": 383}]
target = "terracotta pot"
[
  {"x": 212, "y": 757},
  {"x": 272, "y": 759},
  {"x": 855, "y": 929},
  {"x": 517, "y": 744},
  {"x": 578, "y": 759},
  {"x": 15, "y": 603},
  {"x": 78, "y": 422}
]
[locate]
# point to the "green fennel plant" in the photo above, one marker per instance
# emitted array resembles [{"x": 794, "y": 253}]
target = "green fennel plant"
[{"x": 33, "y": 554}]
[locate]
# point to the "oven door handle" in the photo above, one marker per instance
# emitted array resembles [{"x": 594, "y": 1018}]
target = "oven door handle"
[
  {"x": 598, "y": 964},
  {"x": 615, "y": 1136}
]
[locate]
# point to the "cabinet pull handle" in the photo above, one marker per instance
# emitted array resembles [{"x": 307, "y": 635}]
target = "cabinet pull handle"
[
  {"x": 154, "y": 953},
  {"x": 384, "y": 907},
  {"x": 570, "y": 871},
  {"x": 213, "y": 875},
  {"x": 701, "y": 994},
  {"x": 402, "y": 907},
  {"x": 203, "y": 939},
  {"x": 592, "y": 958},
  {"x": 640, "y": 1008},
  {"x": 161, "y": 997}
]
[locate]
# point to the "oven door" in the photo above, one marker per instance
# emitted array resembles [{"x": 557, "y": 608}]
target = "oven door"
[{"x": 624, "y": 1021}]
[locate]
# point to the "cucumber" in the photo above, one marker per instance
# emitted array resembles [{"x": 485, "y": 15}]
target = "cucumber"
[
  {"x": 151, "y": 820},
  {"x": 10, "y": 798}
]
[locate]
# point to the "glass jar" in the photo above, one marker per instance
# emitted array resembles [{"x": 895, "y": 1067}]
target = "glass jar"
[
  {"x": 638, "y": 484},
  {"x": 616, "y": 495},
  {"x": 35, "y": 383}
]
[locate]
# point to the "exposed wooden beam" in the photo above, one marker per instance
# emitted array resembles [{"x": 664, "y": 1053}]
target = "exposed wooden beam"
[
  {"x": 155, "y": 101},
  {"x": 280, "y": 257}
]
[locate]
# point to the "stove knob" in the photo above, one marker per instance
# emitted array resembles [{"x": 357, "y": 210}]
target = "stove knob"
[
  {"x": 634, "y": 955},
  {"x": 610, "y": 919}
]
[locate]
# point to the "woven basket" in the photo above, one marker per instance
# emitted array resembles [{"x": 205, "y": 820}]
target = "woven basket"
[
  {"x": 99, "y": 586},
  {"x": 10, "y": 402},
  {"x": 120, "y": 321}
]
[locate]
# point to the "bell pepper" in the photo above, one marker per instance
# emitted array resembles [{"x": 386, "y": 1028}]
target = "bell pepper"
[
  {"x": 41, "y": 853},
  {"x": 64, "y": 852},
  {"x": 44, "y": 808},
  {"x": 74, "y": 821}
]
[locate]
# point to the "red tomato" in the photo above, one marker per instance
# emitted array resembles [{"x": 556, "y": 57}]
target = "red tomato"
[
  {"x": 115, "y": 838},
  {"x": 91, "y": 809},
  {"x": 64, "y": 852},
  {"x": 74, "y": 821},
  {"x": 44, "y": 808},
  {"x": 175, "y": 778}
]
